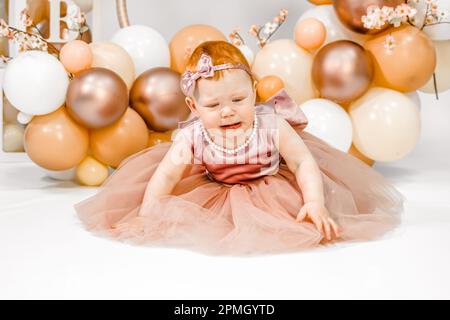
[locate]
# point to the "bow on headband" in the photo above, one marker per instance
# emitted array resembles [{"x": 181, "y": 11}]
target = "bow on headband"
[{"x": 205, "y": 69}]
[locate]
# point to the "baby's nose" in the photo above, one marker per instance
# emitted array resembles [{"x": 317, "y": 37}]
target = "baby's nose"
[{"x": 227, "y": 111}]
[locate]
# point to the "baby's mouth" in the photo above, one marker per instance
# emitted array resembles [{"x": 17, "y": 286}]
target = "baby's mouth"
[{"x": 235, "y": 125}]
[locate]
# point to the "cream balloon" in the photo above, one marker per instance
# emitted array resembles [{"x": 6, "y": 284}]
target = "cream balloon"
[
  {"x": 328, "y": 121},
  {"x": 61, "y": 175},
  {"x": 440, "y": 31},
  {"x": 13, "y": 138},
  {"x": 386, "y": 124},
  {"x": 414, "y": 96},
  {"x": 335, "y": 29},
  {"x": 442, "y": 70},
  {"x": 111, "y": 56},
  {"x": 146, "y": 46},
  {"x": 35, "y": 82},
  {"x": 292, "y": 64}
]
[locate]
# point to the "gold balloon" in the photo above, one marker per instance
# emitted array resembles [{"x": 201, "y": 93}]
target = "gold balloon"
[
  {"x": 342, "y": 71},
  {"x": 350, "y": 12},
  {"x": 408, "y": 65},
  {"x": 268, "y": 86},
  {"x": 55, "y": 142},
  {"x": 91, "y": 172},
  {"x": 355, "y": 152},
  {"x": 114, "y": 143},
  {"x": 156, "y": 95},
  {"x": 96, "y": 98},
  {"x": 113, "y": 57},
  {"x": 187, "y": 39}
]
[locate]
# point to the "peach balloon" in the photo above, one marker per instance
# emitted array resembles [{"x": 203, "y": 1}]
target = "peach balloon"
[
  {"x": 310, "y": 33},
  {"x": 155, "y": 137},
  {"x": 76, "y": 56},
  {"x": 116, "y": 142},
  {"x": 386, "y": 124},
  {"x": 268, "y": 86},
  {"x": 355, "y": 152},
  {"x": 408, "y": 65},
  {"x": 91, "y": 172},
  {"x": 442, "y": 70},
  {"x": 113, "y": 57},
  {"x": 187, "y": 39},
  {"x": 56, "y": 142}
]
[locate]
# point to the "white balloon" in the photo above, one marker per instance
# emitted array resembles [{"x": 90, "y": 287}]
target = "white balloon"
[
  {"x": 85, "y": 5},
  {"x": 414, "y": 96},
  {"x": 35, "y": 82},
  {"x": 335, "y": 29},
  {"x": 248, "y": 53},
  {"x": 146, "y": 46},
  {"x": 328, "y": 121},
  {"x": 24, "y": 118},
  {"x": 62, "y": 175}
]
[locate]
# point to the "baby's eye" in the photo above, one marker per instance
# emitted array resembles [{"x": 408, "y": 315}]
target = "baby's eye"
[
  {"x": 238, "y": 99},
  {"x": 212, "y": 105}
]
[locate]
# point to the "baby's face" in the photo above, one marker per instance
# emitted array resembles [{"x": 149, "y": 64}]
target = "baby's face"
[{"x": 227, "y": 101}]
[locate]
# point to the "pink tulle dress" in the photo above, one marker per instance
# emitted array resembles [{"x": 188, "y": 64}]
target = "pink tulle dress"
[{"x": 243, "y": 204}]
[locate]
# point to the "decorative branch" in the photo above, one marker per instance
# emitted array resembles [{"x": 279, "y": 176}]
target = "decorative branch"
[{"x": 264, "y": 33}]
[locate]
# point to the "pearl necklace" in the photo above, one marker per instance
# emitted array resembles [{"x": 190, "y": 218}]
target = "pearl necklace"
[{"x": 235, "y": 150}]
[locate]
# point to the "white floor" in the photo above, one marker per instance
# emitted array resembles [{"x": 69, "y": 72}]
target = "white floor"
[{"x": 45, "y": 252}]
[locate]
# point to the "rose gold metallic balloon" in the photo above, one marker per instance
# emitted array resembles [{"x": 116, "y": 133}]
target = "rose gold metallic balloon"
[
  {"x": 114, "y": 143},
  {"x": 156, "y": 95},
  {"x": 408, "y": 65},
  {"x": 55, "y": 142},
  {"x": 350, "y": 12},
  {"x": 342, "y": 71},
  {"x": 97, "y": 98}
]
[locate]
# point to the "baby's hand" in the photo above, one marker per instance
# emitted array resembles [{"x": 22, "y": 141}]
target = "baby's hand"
[{"x": 318, "y": 214}]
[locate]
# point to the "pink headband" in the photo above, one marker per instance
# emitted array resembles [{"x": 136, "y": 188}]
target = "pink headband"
[{"x": 205, "y": 69}]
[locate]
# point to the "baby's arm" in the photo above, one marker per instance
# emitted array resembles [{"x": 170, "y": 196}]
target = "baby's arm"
[
  {"x": 301, "y": 162},
  {"x": 170, "y": 170}
]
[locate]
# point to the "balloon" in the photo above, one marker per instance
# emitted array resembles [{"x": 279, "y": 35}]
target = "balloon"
[
  {"x": 114, "y": 143},
  {"x": 187, "y": 39},
  {"x": 355, "y": 152},
  {"x": 310, "y": 33},
  {"x": 320, "y": 2},
  {"x": 13, "y": 138},
  {"x": 335, "y": 30},
  {"x": 96, "y": 98},
  {"x": 35, "y": 82},
  {"x": 328, "y": 121},
  {"x": 414, "y": 96},
  {"x": 113, "y": 57},
  {"x": 61, "y": 175},
  {"x": 24, "y": 118},
  {"x": 85, "y": 5},
  {"x": 342, "y": 71},
  {"x": 155, "y": 138},
  {"x": 350, "y": 12},
  {"x": 268, "y": 86},
  {"x": 292, "y": 64},
  {"x": 91, "y": 172},
  {"x": 442, "y": 70},
  {"x": 438, "y": 31},
  {"x": 156, "y": 95},
  {"x": 247, "y": 52},
  {"x": 56, "y": 142},
  {"x": 386, "y": 124},
  {"x": 146, "y": 46},
  {"x": 398, "y": 68},
  {"x": 76, "y": 56}
]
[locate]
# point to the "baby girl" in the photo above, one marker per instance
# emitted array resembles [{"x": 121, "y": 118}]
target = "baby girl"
[{"x": 240, "y": 178}]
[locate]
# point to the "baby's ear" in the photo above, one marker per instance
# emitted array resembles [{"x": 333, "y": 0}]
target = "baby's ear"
[{"x": 191, "y": 104}]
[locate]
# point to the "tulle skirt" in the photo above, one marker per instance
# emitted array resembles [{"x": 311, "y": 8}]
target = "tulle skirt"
[{"x": 241, "y": 219}]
